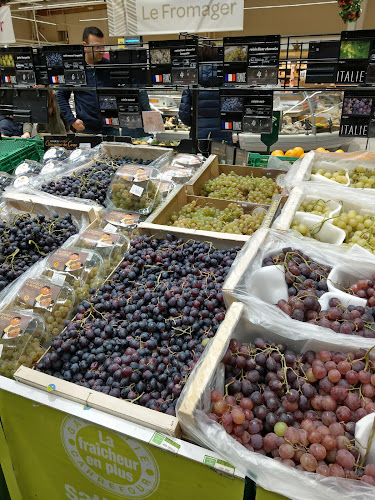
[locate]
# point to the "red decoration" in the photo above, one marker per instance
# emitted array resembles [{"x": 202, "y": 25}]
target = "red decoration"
[{"x": 350, "y": 10}]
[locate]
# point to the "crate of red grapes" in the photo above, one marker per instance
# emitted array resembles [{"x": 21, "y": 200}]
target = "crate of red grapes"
[
  {"x": 330, "y": 291},
  {"x": 286, "y": 410},
  {"x": 134, "y": 342}
]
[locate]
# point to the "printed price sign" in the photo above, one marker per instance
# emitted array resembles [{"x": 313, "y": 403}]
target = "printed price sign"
[{"x": 165, "y": 442}]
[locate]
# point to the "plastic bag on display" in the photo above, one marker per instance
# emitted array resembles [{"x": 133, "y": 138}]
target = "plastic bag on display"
[
  {"x": 6, "y": 180},
  {"x": 119, "y": 221},
  {"x": 255, "y": 280},
  {"x": 109, "y": 245},
  {"x": 321, "y": 167},
  {"x": 82, "y": 270},
  {"x": 55, "y": 153},
  {"x": 187, "y": 161},
  {"x": 28, "y": 167},
  {"x": 195, "y": 402},
  {"x": 134, "y": 188}
]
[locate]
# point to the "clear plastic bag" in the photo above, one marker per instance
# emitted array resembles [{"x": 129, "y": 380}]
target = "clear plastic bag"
[
  {"x": 120, "y": 221},
  {"x": 133, "y": 188},
  {"x": 111, "y": 246},
  {"x": 23, "y": 340},
  {"x": 194, "y": 404},
  {"x": 263, "y": 286},
  {"x": 6, "y": 180},
  {"x": 55, "y": 153},
  {"x": 81, "y": 270},
  {"x": 309, "y": 168},
  {"x": 54, "y": 303},
  {"x": 187, "y": 161},
  {"x": 28, "y": 167}
]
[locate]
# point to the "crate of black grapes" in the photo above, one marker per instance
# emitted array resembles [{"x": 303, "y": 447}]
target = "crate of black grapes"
[
  {"x": 135, "y": 340},
  {"x": 355, "y": 170},
  {"x": 90, "y": 183},
  {"x": 331, "y": 215},
  {"x": 327, "y": 289},
  {"x": 296, "y": 415}
]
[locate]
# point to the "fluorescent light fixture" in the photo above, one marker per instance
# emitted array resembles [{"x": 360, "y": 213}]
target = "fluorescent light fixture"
[
  {"x": 94, "y": 19},
  {"x": 290, "y": 5},
  {"x": 33, "y": 20},
  {"x": 63, "y": 5}
]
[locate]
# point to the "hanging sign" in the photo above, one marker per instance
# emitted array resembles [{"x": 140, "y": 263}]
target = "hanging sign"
[
  {"x": 358, "y": 114},
  {"x": 6, "y": 26},
  {"x": 151, "y": 17}
]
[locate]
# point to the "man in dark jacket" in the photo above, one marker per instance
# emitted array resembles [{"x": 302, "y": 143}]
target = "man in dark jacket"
[
  {"x": 88, "y": 119},
  {"x": 209, "y": 123},
  {"x": 10, "y": 128}
]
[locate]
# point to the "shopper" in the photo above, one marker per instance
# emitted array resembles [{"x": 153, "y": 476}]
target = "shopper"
[
  {"x": 10, "y": 128},
  {"x": 87, "y": 119},
  {"x": 208, "y": 100},
  {"x": 56, "y": 124}
]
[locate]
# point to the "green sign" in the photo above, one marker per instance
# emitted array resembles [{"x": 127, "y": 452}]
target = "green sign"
[
  {"x": 269, "y": 139},
  {"x": 61, "y": 457}
]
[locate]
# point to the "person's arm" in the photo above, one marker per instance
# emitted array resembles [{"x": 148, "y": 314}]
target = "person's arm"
[
  {"x": 184, "y": 113},
  {"x": 27, "y": 130},
  {"x": 63, "y": 97}
]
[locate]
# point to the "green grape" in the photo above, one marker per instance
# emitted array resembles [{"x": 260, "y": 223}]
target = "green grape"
[
  {"x": 337, "y": 176},
  {"x": 241, "y": 188},
  {"x": 232, "y": 219},
  {"x": 316, "y": 207},
  {"x": 362, "y": 177}
]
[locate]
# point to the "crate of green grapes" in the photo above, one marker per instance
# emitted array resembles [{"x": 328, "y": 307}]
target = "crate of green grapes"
[
  {"x": 235, "y": 183},
  {"x": 330, "y": 214}
]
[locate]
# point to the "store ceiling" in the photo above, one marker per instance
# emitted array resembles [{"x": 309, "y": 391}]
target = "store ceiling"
[{"x": 30, "y": 5}]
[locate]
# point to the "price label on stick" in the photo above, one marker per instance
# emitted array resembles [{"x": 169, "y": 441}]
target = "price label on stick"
[{"x": 165, "y": 442}]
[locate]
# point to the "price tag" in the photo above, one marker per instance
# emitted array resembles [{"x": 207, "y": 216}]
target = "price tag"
[
  {"x": 58, "y": 279},
  {"x": 110, "y": 228},
  {"x": 219, "y": 465},
  {"x": 136, "y": 190},
  {"x": 1, "y": 349},
  {"x": 165, "y": 443}
]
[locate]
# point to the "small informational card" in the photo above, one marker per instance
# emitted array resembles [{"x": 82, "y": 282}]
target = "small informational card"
[{"x": 152, "y": 122}]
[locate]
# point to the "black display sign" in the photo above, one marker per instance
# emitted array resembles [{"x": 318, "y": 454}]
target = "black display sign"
[
  {"x": 324, "y": 69},
  {"x": 40, "y": 66},
  {"x": 358, "y": 113},
  {"x": 251, "y": 60},
  {"x": 120, "y": 108},
  {"x": 30, "y": 106},
  {"x": 244, "y": 110},
  {"x": 174, "y": 62},
  {"x": 356, "y": 48},
  {"x": 130, "y": 67},
  {"x": 65, "y": 65},
  {"x": 24, "y": 64}
]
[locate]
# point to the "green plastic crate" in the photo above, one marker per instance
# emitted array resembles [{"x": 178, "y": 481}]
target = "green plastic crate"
[
  {"x": 261, "y": 161},
  {"x": 14, "y": 151}
]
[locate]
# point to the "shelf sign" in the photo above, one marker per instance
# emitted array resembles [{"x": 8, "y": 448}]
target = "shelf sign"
[
  {"x": 165, "y": 443},
  {"x": 244, "y": 110},
  {"x": 358, "y": 114},
  {"x": 356, "y": 58},
  {"x": 219, "y": 465}
]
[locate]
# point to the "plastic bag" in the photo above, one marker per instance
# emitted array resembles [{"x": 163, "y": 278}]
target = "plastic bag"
[
  {"x": 110, "y": 246},
  {"x": 265, "y": 471},
  {"x": 263, "y": 286},
  {"x": 120, "y": 221},
  {"x": 23, "y": 340},
  {"x": 333, "y": 201},
  {"x": 187, "y": 161},
  {"x": 82, "y": 270},
  {"x": 6, "y": 180},
  {"x": 302, "y": 170},
  {"x": 28, "y": 167},
  {"x": 55, "y": 153},
  {"x": 134, "y": 188}
]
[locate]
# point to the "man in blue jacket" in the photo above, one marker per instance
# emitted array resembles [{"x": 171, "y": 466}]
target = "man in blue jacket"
[{"x": 88, "y": 119}]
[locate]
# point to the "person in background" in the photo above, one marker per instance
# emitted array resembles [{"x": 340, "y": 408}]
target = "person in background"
[
  {"x": 10, "y": 128},
  {"x": 56, "y": 124},
  {"x": 209, "y": 124},
  {"x": 88, "y": 119}
]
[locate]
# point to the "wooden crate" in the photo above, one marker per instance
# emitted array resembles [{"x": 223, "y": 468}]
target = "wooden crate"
[
  {"x": 212, "y": 169},
  {"x": 144, "y": 416},
  {"x": 144, "y": 152},
  {"x": 42, "y": 203},
  {"x": 160, "y": 217}
]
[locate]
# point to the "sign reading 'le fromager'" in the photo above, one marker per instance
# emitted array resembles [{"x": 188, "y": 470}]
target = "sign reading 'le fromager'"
[{"x": 151, "y": 17}]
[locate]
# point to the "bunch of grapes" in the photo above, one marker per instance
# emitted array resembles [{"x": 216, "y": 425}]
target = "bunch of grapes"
[
  {"x": 359, "y": 229},
  {"x": 232, "y": 219},
  {"x": 300, "y": 409},
  {"x": 140, "y": 334},
  {"x": 241, "y": 188},
  {"x": 362, "y": 177},
  {"x": 316, "y": 207},
  {"x": 357, "y": 106},
  {"x": 26, "y": 238},
  {"x": 365, "y": 289},
  {"x": 142, "y": 202},
  {"x": 307, "y": 282},
  {"x": 302, "y": 228},
  {"x": 339, "y": 176},
  {"x": 90, "y": 183}
]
